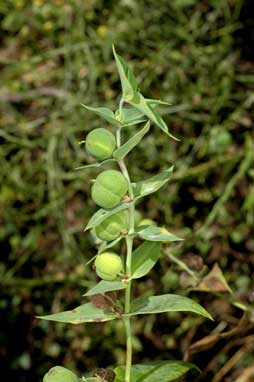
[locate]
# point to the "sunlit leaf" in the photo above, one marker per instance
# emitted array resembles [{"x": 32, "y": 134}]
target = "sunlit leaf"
[
  {"x": 153, "y": 233},
  {"x": 153, "y": 184},
  {"x": 144, "y": 258},
  {"x": 123, "y": 150}
]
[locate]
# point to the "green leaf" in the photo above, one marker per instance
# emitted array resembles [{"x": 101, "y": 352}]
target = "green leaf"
[
  {"x": 153, "y": 233},
  {"x": 123, "y": 150},
  {"x": 129, "y": 116},
  {"x": 143, "y": 105},
  {"x": 90, "y": 379},
  {"x": 84, "y": 313},
  {"x": 162, "y": 371},
  {"x": 102, "y": 214},
  {"x": 166, "y": 303},
  {"x": 153, "y": 184},
  {"x": 104, "y": 113},
  {"x": 128, "y": 80},
  {"x": 105, "y": 286},
  {"x": 97, "y": 164},
  {"x": 108, "y": 244},
  {"x": 144, "y": 258},
  {"x": 155, "y": 102}
]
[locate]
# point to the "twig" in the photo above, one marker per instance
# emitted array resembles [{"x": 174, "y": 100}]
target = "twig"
[
  {"x": 182, "y": 265},
  {"x": 233, "y": 360}
]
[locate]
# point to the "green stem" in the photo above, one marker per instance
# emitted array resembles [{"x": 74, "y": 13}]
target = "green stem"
[{"x": 129, "y": 245}]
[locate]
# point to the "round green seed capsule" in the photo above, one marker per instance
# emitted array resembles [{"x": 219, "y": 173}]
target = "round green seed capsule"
[
  {"x": 112, "y": 227},
  {"x": 108, "y": 265},
  {"x": 109, "y": 188},
  {"x": 100, "y": 143},
  {"x": 59, "y": 373}
]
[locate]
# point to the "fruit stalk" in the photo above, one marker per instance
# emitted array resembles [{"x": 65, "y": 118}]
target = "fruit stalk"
[{"x": 129, "y": 245}]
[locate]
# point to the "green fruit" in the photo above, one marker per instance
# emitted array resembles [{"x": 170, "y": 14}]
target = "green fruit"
[
  {"x": 108, "y": 265},
  {"x": 146, "y": 222},
  {"x": 109, "y": 188},
  {"x": 100, "y": 143},
  {"x": 112, "y": 227},
  {"x": 60, "y": 374}
]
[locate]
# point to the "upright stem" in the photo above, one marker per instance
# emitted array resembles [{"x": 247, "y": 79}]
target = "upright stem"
[{"x": 129, "y": 245}]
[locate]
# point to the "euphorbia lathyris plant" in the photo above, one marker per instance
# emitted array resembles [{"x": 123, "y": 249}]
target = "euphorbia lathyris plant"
[{"x": 117, "y": 220}]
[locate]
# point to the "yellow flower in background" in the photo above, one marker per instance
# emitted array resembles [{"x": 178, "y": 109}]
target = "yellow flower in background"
[
  {"x": 19, "y": 4},
  {"x": 102, "y": 30},
  {"x": 38, "y": 3},
  {"x": 48, "y": 25}
]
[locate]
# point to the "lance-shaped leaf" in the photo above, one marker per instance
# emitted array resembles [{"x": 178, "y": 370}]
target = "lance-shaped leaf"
[
  {"x": 105, "y": 286},
  {"x": 128, "y": 80},
  {"x": 129, "y": 116},
  {"x": 108, "y": 244},
  {"x": 97, "y": 164},
  {"x": 153, "y": 233},
  {"x": 104, "y": 113},
  {"x": 153, "y": 184},
  {"x": 161, "y": 371},
  {"x": 123, "y": 150},
  {"x": 102, "y": 214},
  {"x": 84, "y": 313},
  {"x": 166, "y": 303},
  {"x": 155, "y": 102},
  {"x": 143, "y": 105},
  {"x": 144, "y": 258}
]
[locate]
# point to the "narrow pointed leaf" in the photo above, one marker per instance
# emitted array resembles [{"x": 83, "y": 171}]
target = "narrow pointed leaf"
[
  {"x": 130, "y": 116},
  {"x": 128, "y": 80},
  {"x": 105, "y": 286},
  {"x": 155, "y": 102},
  {"x": 104, "y": 113},
  {"x": 153, "y": 233},
  {"x": 102, "y": 214},
  {"x": 161, "y": 371},
  {"x": 108, "y": 244},
  {"x": 141, "y": 104},
  {"x": 166, "y": 303},
  {"x": 84, "y": 313},
  {"x": 97, "y": 164},
  {"x": 123, "y": 150},
  {"x": 152, "y": 184},
  {"x": 144, "y": 258}
]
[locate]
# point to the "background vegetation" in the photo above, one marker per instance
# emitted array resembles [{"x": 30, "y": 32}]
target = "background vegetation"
[{"x": 197, "y": 55}]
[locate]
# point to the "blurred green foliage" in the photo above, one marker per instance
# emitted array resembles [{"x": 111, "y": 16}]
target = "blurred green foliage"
[{"x": 56, "y": 55}]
